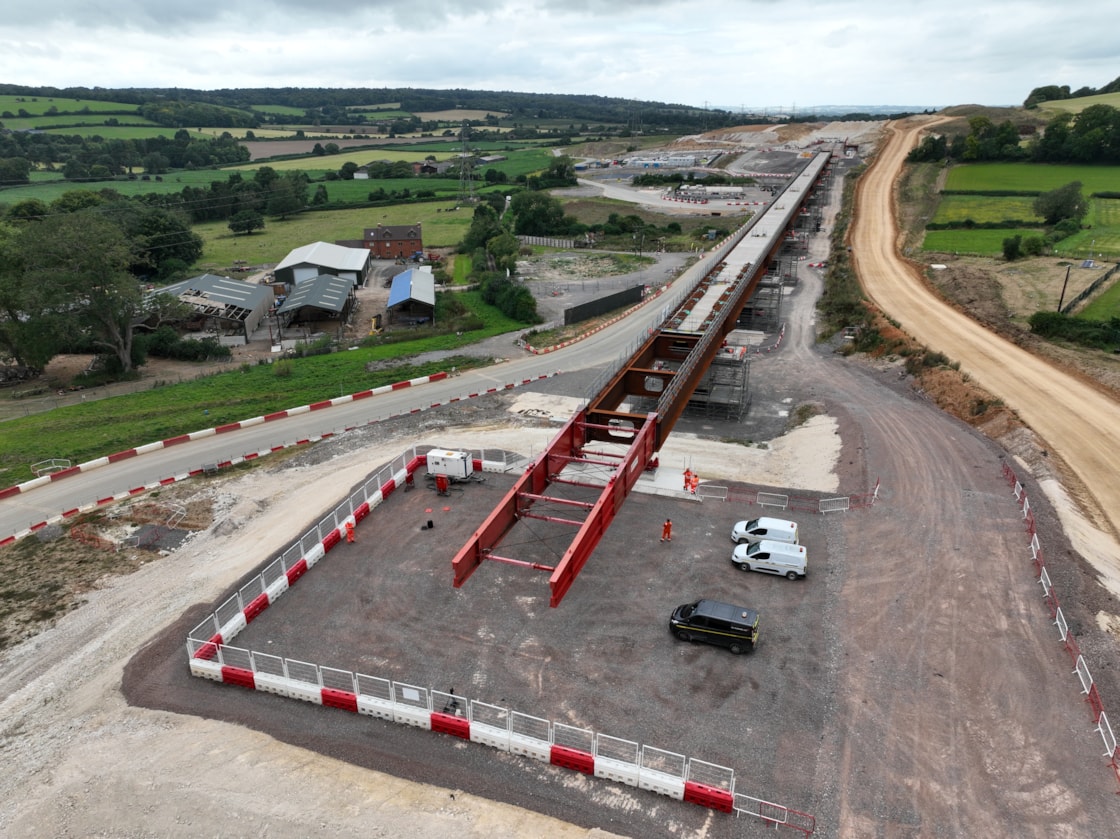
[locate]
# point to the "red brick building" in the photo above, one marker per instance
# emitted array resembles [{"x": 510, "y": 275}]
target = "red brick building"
[{"x": 394, "y": 241}]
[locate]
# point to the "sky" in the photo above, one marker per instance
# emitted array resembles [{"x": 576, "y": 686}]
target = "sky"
[{"x": 732, "y": 54}]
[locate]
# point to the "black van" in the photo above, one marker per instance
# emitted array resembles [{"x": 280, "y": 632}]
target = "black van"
[{"x": 734, "y": 627}]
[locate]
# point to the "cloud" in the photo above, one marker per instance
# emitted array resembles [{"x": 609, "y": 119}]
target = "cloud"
[{"x": 755, "y": 52}]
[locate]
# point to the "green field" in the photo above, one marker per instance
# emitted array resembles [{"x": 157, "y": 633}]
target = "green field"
[
  {"x": 1076, "y": 106},
  {"x": 1105, "y": 305},
  {"x": 444, "y": 226},
  {"x": 317, "y": 165},
  {"x": 983, "y": 209},
  {"x": 48, "y": 186},
  {"x": 978, "y": 242},
  {"x": 83, "y": 124},
  {"x": 42, "y": 104},
  {"x": 279, "y": 110},
  {"x": 1031, "y": 177},
  {"x": 1101, "y": 233}
]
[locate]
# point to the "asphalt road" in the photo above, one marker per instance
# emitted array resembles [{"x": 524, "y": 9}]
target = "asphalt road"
[{"x": 597, "y": 351}]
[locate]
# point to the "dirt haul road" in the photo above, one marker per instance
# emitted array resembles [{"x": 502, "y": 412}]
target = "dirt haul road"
[{"x": 1079, "y": 423}]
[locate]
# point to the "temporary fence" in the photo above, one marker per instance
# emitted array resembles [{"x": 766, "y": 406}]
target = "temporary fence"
[
  {"x": 578, "y": 749},
  {"x": 785, "y": 501},
  {"x": 1080, "y": 665},
  {"x": 211, "y": 656}
]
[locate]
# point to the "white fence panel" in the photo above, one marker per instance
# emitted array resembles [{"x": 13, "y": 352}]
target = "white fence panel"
[
  {"x": 530, "y": 736},
  {"x": 579, "y": 739},
  {"x": 1106, "y": 734},
  {"x": 772, "y": 499},
  {"x": 711, "y": 775},
  {"x": 834, "y": 505},
  {"x": 412, "y": 705},
  {"x": 1083, "y": 674}
]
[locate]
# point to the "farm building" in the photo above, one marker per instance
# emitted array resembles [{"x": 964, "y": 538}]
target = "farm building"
[
  {"x": 431, "y": 167},
  {"x": 412, "y": 298},
  {"x": 318, "y": 258},
  {"x": 322, "y": 298},
  {"x": 222, "y": 303},
  {"x": 394, "y": 241}
]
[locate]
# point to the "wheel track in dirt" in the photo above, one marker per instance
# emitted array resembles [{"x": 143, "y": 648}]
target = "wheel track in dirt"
[{"x": 1080, "y": 424}]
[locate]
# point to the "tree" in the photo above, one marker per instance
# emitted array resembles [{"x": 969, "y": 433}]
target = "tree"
[
  {"x": 504, "y": 248},
  {"x": 14, "y": 170},
  {"x": 80, "y": 261},
  {"x": 484, "y": 227},
  {"x": 1012, "y": 247},
  {"x": 1065, "y": 202},
  {"x": 287, "y": 194},
  {"x": 537, "y": 214},
  {"x": 246, "y": 221},
  {"x": 155, "y": 163},
  {"x": 28, "y": 333},
  {"x": 29, "y": 209},
  {"x": 161, "y": 240}
]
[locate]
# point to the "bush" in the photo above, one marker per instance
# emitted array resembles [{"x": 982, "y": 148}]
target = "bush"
[
  {"x": 165, "y": 342},
  {"x": 1101, "y": 335}
]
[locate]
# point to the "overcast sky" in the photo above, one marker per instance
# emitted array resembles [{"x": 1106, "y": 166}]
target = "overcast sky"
[{"x": 723, "y": 53}]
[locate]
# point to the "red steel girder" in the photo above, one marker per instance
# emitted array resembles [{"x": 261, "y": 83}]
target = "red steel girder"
[{"x": 566, "y": 445}]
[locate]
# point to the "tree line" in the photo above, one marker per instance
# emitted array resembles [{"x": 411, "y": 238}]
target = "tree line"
[
  {"x": 1091, "y": 136},
  {"x": 96, "y": 158},
  {"x": 1053, "y": 92}
]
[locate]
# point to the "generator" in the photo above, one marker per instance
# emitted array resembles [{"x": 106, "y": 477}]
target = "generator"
[{"x": 458, "y": 466}]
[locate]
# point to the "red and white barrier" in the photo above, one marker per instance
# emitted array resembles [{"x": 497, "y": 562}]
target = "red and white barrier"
[{"x": 120, "y": 496}]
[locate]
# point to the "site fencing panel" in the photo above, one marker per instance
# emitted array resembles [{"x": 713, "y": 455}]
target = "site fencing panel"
[
  {"x": 303, "y": 671},
  {"x": 772, "y": 499},
  {"x": 270, "y": 665},
  {"x": 711, "y": 775},
  {"x": 580, "y": 739},
  {"x": 236, "y": 657}
]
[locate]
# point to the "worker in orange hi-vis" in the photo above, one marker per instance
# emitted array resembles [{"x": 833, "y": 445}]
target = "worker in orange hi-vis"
[
  {"x": 350, "y": 532},
  {"x": 667, "y": 531},
  {"x": 687, "y": 478},
  {"x": 693, "y": 482}
]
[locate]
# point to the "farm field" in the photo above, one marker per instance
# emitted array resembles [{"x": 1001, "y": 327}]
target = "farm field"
[
  {"x": 41, "y": 104},
  {"x": 1100, "y": 235},
  {"x": 444, "y": 227},
  {"x": 84, "y": 124},
  {"x": 978, "y": 242},
  {"x": 48, "y": 186},
  {"x": 1076, "y": 106},
  {"x": 1105, "y": 305},
  {"x": 984, "y": 209},
  {"x": 1031, "y": 177}
]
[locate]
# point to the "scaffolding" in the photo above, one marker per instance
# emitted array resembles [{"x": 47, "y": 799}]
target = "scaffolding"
[{"x": 724, "y": 391}]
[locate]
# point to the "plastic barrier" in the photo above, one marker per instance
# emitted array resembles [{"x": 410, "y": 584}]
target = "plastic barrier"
[
  {"x": 451, "y": 724},
  {"x": 710, "y": 797},
  {"x": 572, "y": 759}
]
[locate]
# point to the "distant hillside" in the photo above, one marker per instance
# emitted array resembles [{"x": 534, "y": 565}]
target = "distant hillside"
[{"x": 347, "y": 105}]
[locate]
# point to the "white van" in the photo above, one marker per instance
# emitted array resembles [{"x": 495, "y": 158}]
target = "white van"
[
  {"x": 771, "y": 558},
  {"x": 755, "y": 530}
]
